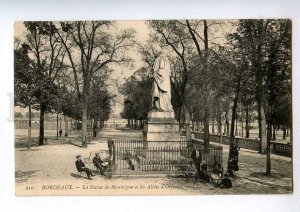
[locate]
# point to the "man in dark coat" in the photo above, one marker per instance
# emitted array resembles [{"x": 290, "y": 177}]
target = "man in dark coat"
[
  {"x": 81, "y": 167},
  {"x": 98, "y": 163}
]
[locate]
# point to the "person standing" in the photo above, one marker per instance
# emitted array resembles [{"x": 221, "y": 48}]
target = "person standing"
[{"x": 196, "y": 156}]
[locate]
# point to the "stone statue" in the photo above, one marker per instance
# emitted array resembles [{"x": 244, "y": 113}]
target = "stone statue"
[{"x": 161, "y": 91}]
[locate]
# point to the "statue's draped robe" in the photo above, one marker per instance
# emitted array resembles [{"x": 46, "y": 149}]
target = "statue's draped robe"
[{"x": 162, "y": 86}]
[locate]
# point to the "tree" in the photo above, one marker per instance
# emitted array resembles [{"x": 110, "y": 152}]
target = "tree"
[
  {"x": 205, "y": 72},
  {"x": 247, "y": 99},
  {"x": 265, "y": 44},
  {"x": 278, "y": 66},
  {"x": 137, "y": 92},
  {"x": 99, "y": 106},
  {"x": 24, "y": 80},
  {"x": 252, "y": 36},
  {"x": 96, "y": 48},
  {"x": 48, "y": 57}
]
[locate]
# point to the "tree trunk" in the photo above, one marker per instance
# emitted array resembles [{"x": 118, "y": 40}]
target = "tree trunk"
[
  {"x": 274, "y": 133},
  {"x": 206, "y": 127},
  {"x": 242, "y": 121},
  {"x": 42, "y": 116},
  {"x": 95, "y": 129},
  {"x": 219, "y": 120},
  {"x": 66, "y": 126},
  {"x": 84, "y": 123},
  {"x": 232, "y": 140},
  {"x": 91, "y": 128},
  {"x": 268, "y": 150},
  {"x": 220, "y": 127},
  {"x": 284, "y": 133},
  {"x": 182, "y": 115},
  {"x": 236, "y": 124},
  {"x": 232, "y": 127},
  {"x": 247, "y": 122},
  {"x": 226, "y": 128},
  {"x": 180, "y": 120},
  {"x": 71, "y": 127},
  {"x": 101, "y": 125},
  {"x": 206, "y": 90},
  {"x": 193, "y": 123},
  {"x": 262, "y": 127},
  {"x": 29, "y": 128},
  {"x": 259, "y": 122},
  {"x": 291, "y": 134},
  {"x": 187, "y": 123},
  {"x": 57, "y": 126},
  {"x": 213, "y": 125}
]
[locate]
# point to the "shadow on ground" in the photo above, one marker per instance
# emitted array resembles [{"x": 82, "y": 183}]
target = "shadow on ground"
[
  {"x": 21, "y": 142},
  {"x": 263, "y": 175},
  {"x": 23, "y": 176},
  {"x": 77, "y": 176}
]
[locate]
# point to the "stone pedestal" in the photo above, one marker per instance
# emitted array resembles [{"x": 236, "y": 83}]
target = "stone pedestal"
[{"x": 161, "y": 130}]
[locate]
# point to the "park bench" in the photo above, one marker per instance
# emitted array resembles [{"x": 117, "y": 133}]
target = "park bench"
[{"x": 81, "y": 173}]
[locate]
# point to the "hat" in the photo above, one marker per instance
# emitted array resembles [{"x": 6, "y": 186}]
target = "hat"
[{"x": 78, "y": 156}]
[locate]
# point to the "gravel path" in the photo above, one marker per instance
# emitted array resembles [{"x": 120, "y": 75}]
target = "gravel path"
[{"x": 50, "y": 170}]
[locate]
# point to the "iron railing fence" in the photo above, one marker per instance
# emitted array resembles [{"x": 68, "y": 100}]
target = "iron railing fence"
[{"x": 134, "y": 157}]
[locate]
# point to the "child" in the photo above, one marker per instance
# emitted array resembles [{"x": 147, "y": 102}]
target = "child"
[
  {"x": 203, "y": 175},
  {"x": 190, "y": 171}
]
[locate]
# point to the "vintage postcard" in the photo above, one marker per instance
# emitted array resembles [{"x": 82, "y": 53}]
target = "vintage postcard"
[{"x": 157, "y": 107}]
